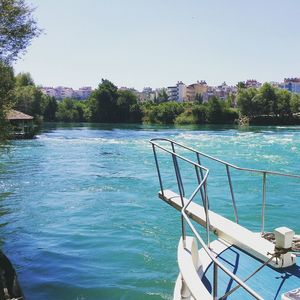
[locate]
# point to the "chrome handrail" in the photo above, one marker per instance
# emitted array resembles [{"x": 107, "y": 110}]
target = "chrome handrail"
[
  {"x": 179, "y": 181},
  {"x": 152, "y": 141},
  {"x": 203, "y": 184},
  {"x": 228, "y": 165}
]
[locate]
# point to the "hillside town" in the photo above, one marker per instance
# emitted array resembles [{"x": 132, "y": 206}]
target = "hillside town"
[
  {"x": 179, "y": 92},
  {"x": 62, "y": 92}
]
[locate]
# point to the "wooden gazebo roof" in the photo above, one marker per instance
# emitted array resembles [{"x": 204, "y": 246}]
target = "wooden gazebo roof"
[{"x": 17, "y": 115}]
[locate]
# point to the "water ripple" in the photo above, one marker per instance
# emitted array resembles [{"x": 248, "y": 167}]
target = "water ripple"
[{"x": 80, "y": 218}]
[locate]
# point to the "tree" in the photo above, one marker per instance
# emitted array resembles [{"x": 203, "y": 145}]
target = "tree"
[
  {"x": 163, "y": 113},
  {"x": 268, "y": 99},
  {"x": 214, "y": 110},
  {"x": 283, "y": 102},
  {"x": 162, "y": 96},
  {"x": 230, "y": 101},
  {"x": 260, "y": 105},
  {"x": 49, "y": 108},
  {"x": 80, "y": 107},
  {"x": 186, "y": 117},
  {"x": 109, "y": 105},
  {"x": 295, "y": 103},
  {"x": 193, "y": 113},
  {"x": 7, "y": 82},
  {"x": 24, "y": 79},
  {"x": 241, "y": 85},
  {"x": 103, "y": 102},
  {"x": 199, "y": 98},
  {"x": 28, "y": 99},
  {"x": 17, "y": 29},
  {"x": 200, "y": 113},
  {"x": 70, "y": 110},
  {"x": 245, "y": 101},
  {"x": 125, "y": 100},
  {"x": 136, "y": 113}
]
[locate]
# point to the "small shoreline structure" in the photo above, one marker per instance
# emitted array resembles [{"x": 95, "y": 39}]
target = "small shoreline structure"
[
  {"x": 22, "y": 125},
  {"x": 236, "y": 263}
]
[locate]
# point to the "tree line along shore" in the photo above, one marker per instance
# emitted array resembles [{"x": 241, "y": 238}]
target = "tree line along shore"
[{"x": 267, "y": 105}]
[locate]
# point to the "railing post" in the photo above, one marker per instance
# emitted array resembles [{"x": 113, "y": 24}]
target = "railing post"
[
  {"x": 158, "y": 171},
  {"x": 215, "y": 282},
  {"x": 206, "y": 215},
  {"x": 179, "y": 179},
  {"x": 200, "y": 178},
  {"x": 232, "y": 194},
  {"x": 263, "y": 203},
  {"x": 183, "y": 231},
  {"x": 181, "y": 192}
]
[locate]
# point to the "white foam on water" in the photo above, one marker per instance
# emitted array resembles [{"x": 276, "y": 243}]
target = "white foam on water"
[
  {"x": 91, "y": 140},
  {"x": 162, "y": 296},
  {"x": 273, "y": 158}
]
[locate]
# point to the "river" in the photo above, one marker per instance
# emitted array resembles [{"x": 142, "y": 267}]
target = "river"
[{"x": 80, "y": 217}]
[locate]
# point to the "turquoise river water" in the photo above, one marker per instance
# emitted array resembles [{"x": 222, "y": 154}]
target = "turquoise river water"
[{"x": 80, "y": 217}]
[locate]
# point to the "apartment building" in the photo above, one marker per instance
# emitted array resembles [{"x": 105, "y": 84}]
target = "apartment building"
[
  {"x": 291, "y": 84},
  {"x": 198, "y": 88},
  {"x": 252, "y": 83},
  {"x": 50, "y": 91},
  {"x": 178, "y": 92},
  {"x": 64, "y": 92},
  {"x": 147, "y": 94},
  {"x": 83, "y": 92},
  {"x": 172, "y": 93}
]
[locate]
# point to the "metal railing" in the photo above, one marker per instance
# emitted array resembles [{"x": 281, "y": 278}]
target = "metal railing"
[
  {"x": 228, "y": 166},
  {"x": 202, "y": 175}
]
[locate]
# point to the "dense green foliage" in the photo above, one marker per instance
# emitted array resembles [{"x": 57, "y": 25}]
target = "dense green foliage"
[
  {"x": 162, "y": 113},
  {"x": 17, "y": 29},
  {"x": 215, "y": 111},
  {"x": 69, "y": 110},
  {"x": 7, "y": 82},
  {"x": 267, "y": 101},
  {"x": 30, "y": 100},
  {"x": 107, "y": 104},
  {"x": 162, "y": 96}
]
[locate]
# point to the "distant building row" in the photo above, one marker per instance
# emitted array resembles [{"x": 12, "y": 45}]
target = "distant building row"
[
  {"x": 62, "y": 92},
  {"x": 179, "y": 92},
  {"x": 187, "y": 93}
]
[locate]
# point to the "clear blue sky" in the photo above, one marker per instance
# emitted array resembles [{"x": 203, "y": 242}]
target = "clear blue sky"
[{"x": 137, "y": 43}]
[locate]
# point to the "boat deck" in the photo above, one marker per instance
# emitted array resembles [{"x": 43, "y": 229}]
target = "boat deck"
[
  {"x": 269, "y": 283},
  {"x": 225, "y": 229}
]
